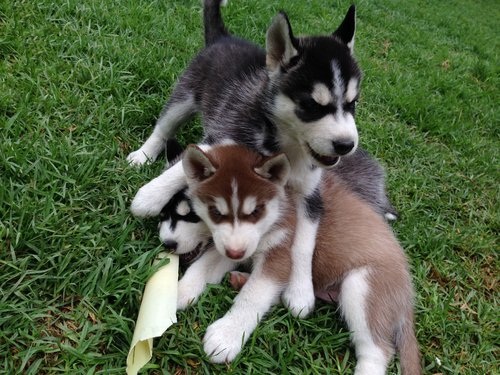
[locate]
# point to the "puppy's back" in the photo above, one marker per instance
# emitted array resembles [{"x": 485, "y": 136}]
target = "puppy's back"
[{"x": 352, "y": 235}]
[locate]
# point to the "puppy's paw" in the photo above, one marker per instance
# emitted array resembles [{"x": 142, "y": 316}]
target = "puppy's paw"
[
  {"x": 223, "y": 340},
  {"x": 187, "y": 294},
  {"x": 138, "y": 158},
  {"x": 299, "y": 299},
  {"x": 148, "y": 201}
]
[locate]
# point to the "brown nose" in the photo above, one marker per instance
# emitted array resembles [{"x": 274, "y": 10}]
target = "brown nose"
[{"x": 234, "y": 253}]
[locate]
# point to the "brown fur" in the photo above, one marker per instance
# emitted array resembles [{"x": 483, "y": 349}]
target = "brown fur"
[
  {"x": 351, "y": 236},
  {"x": 239, "y": 168}
]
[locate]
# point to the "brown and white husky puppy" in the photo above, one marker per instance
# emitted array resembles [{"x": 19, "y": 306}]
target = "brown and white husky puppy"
[{"x": 241, "y": 196}]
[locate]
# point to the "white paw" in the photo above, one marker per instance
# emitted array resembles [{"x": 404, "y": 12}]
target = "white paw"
[
  {"x": 187, "y": 294},
  {"x": 299, "y": 299},
  {"x": 223, "y": 340},
  {"x": 138, "y": 158},
  {"x": 148, "y": 201},
  {"x": 390, "y": 217},
  {"x": 374, "y": 366}
]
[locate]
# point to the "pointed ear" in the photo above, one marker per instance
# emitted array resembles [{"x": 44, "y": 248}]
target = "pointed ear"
[
  {"x": 197, "y": 165},
  {"x": 346, "y": 30},
  {"x": 280, "y": 43},
  {"x": 275, "y": 169}
]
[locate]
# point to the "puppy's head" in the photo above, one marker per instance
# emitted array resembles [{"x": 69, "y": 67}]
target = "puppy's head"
[
  {"x": 237, "y": 193},
  {"x": 181, "y": 230},
  {"x": 317, "y": 83}
]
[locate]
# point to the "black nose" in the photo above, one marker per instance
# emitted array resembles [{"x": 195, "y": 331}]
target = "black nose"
[
  {"x": 171, "y": 245},
  {"x": 343, "y": 147}
]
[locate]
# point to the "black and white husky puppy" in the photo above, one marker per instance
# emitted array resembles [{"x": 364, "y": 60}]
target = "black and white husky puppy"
[{"x": 297, "y": 97}]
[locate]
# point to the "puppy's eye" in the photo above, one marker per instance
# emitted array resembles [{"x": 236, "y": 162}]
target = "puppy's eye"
[
  {"x": 258, "y": 211},
  {"x": 215, "y": 214},
  {"x": 214, "y": 211},
  {"x": 309, "y": 105},
  {"x": 350, "y": 106}
]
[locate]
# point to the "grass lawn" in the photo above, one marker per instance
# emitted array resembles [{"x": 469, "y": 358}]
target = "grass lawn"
[{"x": 81, "y": 83}]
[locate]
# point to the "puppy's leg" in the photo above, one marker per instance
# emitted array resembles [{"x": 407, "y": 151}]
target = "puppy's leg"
[
  {"x": 372, "y": 359},
  {"x": 299, "y": 294},
  {"x": 225, "y": 338},
  {"x": 153, "y": 196},
  {"x": 209, "y": 269},
  {"x": 177, "y": 110}
]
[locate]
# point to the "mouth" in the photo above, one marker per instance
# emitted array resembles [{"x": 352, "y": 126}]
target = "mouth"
[
  {"x": 327, "y": 161},
  {"x": 188, "y": 258}
]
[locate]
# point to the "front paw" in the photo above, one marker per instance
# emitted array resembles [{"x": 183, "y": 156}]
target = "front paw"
[
  {"x": 299, "y": 299},
  {"x": 187, "y": 294},
  {"x": 138, "y": 158},
  {"x": 147, "y": 202},
  {"x": 223, "y": 340}
]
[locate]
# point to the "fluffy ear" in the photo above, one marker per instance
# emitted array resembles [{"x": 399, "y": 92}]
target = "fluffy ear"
[
  {"x": 280, "y": 43},
  {"x": 347, "y": 28},
  {"x": 197, "y": 165},
  {"x": 276, "y": 169}
]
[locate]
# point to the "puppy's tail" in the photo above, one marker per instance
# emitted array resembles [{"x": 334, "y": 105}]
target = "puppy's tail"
[
  {"x": 212, "y": 19},
  {"x": 407, "y": 345}
]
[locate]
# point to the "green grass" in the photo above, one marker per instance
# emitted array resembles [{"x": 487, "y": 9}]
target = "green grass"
[{"x": 81, "y": 83}]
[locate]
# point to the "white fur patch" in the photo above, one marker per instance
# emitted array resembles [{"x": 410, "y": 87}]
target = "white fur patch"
[
  {"x": 338, "y": 83},
  {"x": 371, "y": 359},
  {"x": 151, "y": 198},
  {"x": 182, "y": 208},
  {"x": 321, "y": 94},
  {"x": 249, "y": 205},
  {"x": 274, "y": 238},
  {"x": 352, "y": 90},
  {"x": 226, "y": 142},
  {"x": 339, "y": 127},
  {"x": 221, "y": 205},
  {"x": 299, "y": 293},
  {"x": 235, "y": 202}
]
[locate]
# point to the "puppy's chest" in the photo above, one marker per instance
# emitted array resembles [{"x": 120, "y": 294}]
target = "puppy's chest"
[{"x": 304, "y": 179}]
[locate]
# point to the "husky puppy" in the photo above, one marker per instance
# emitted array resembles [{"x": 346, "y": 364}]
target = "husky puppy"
[
  {"x": 182, "y": 231},
  {"x": 297, "y": 97},
  {"x": 241, "y": 196}
]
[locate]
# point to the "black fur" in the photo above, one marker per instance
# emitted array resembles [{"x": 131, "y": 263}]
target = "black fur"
[
  {"x": 314, "y": 205},
  {"x": 169, "y": 212}
]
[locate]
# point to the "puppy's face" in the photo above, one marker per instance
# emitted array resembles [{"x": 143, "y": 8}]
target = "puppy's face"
[
  {"x": 318, "y": 83},
  {"x": 237, "y": 193},
  {"x": 181, "y": 230}
]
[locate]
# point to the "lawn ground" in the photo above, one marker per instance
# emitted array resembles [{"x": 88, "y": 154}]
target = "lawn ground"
[{"x": 81, "y": 83}]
